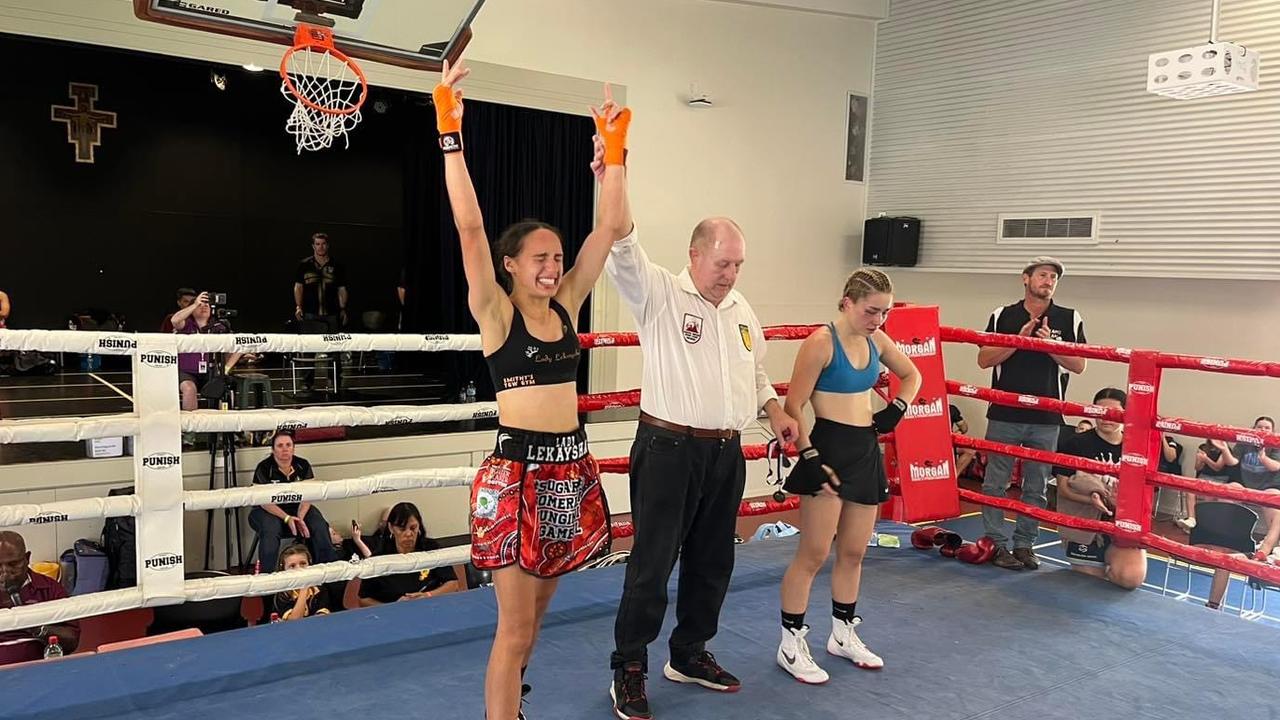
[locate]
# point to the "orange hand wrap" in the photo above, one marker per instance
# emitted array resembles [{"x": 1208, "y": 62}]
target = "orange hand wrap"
[
  {"x": 448, "y": 117},
  {"x": 614, "y": 135}
]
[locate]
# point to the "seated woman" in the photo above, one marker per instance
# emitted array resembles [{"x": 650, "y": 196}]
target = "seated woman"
[
  {"x": 1259, "y": 469},
  {"x": 1089, "y": 496},
  {"x": 1212, "y": 466},
  {"x": 406, "y": 534},
  {"x": 357, "y": 547},
  {"x": 308, "y": 601}
]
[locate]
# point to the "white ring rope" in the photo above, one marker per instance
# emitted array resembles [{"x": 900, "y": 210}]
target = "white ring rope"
[
  {"x": 332, "y": 416},
  {"x": 97, "y": 508},
  {"x": 110, "y": 601},
  {"x": 119, "y": 343},
  {"x": 67, "y": 429},
  {"x": 206, "y": 421},
  {"x": 192, "y": 500},
  {"x": 311, "y": 491}
]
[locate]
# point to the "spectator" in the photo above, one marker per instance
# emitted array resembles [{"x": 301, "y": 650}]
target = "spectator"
[
  {"x": 407, "y": 534},
  {"x": 965, "y": 457},
  {"x": 1027, "y": 373},
  {"x": 320, "y": 297},
  {"x": 185, "y": 296},
  {"x": 305, "y": 602},
  {"x": 1087, "y": 495},
  {"x": 358, "y": 545},
  {"x": 196, "y": 369},
  {"x": 299, "y": 520},
  {"x": 1211, "y": 466},
  {"x": 24, "y": 587},
  {"x": 1259, "y": 470},
  {"x": 5, "y": 309}
]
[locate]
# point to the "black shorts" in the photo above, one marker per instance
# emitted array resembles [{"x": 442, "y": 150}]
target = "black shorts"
[
  {"x": 198, "y": 378},
  {"x": 853, "y": 452},
  {"x": 1093, "y": 554}
]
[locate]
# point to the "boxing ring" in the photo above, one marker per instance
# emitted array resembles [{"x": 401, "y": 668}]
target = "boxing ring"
[{"x": 971, "y": 641}]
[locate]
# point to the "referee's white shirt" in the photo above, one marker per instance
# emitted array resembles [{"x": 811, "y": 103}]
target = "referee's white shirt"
[{"x": 703, "y": 365}]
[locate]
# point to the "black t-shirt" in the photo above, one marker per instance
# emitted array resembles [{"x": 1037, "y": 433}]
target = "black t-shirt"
[
  {"x": 1028, "y": 372},
  {"x": 1088, "y": 445},
  {"x": 324, "y": 600},
  {"x": 268, "y": 473},
  {"x": 320, "y": 286},
  {"x": 1174, "y": 466},
  {"x": 390, "y": 588}
]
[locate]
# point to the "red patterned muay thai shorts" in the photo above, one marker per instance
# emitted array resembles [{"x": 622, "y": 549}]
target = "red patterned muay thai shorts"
[{"x": 537, "y": 501}]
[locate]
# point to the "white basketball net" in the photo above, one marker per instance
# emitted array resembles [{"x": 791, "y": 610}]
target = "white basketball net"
[{"x": 334, "y": 89}]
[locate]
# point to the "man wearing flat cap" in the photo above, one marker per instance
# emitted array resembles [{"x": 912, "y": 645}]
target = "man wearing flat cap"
[{"x": 1027, "y": 372}]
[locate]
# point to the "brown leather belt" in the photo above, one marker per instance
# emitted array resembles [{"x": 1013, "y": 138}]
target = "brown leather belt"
[{"x": 690, "y": 431}]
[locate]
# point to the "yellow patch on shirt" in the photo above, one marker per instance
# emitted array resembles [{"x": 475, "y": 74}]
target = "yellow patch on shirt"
[{"x": 745, "y": 332}]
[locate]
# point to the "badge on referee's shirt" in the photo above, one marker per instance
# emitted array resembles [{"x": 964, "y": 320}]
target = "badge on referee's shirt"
[
  {"x": 692, "y": 328},
  {"x": 745, "y": 332}
]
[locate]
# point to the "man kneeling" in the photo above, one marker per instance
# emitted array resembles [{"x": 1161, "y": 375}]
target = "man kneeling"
[{"x": 1086, "y": 495}]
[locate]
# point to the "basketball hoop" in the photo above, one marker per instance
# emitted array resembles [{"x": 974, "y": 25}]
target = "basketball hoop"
[{"x": 325, "y": 86}]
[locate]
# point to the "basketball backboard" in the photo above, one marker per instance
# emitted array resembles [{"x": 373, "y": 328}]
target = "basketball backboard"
[{"x": 418, "y": 34}]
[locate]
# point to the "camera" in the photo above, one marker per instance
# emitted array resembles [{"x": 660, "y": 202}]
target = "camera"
[{"x": 218, "y": 302}]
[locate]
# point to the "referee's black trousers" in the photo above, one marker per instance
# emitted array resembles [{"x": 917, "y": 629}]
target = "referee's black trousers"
[{"x": 685, "y": 493}]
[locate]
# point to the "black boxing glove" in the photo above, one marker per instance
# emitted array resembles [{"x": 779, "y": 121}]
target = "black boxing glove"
[
  {"x": 807, "y": 477},
  {"x": 888, "y": 418}
]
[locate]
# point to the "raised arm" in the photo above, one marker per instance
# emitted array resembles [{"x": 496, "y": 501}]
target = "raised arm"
[
  {"x": 613, "y": 221},
  {"x": 483, "y": 292}
]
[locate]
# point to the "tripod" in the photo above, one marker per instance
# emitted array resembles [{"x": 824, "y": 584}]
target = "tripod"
[
  {"x": 222, "y": 447},
  {"x": 222, "y": 451}
]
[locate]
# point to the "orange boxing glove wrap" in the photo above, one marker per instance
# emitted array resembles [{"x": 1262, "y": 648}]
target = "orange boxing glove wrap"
[
  {"x": 448, "y": 119},
  {"x": 614, "y": 135}
]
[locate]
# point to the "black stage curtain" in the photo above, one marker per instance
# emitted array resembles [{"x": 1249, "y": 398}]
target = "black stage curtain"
[
  {"x": 202, "y": 187},
  {"x": 524, "y": 164}
]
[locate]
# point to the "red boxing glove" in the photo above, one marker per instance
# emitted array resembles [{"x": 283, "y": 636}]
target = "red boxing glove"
[
  {"x": 979, "y": 553},
  {"x": 933, "y": 536}
]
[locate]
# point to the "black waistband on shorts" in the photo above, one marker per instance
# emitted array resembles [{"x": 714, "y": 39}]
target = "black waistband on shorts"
[
  {"x": 542, "y": 447},
  {"x": 845, "y": 428}
]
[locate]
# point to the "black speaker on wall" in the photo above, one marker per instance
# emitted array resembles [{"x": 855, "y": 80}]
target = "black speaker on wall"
[{"x": 891, "y": 241}]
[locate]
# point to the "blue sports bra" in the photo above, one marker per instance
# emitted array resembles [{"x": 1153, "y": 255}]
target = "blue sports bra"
[{"x": 841, "y": 376}]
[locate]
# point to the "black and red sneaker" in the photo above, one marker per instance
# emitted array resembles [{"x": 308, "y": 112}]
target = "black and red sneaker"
[
  {"x": 627, "y": 693},
  {"x": 702, "y": 669}
]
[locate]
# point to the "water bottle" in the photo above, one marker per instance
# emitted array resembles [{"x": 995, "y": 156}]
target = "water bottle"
[
  {"x": 471, "y": 391},
  {"x": 53, "y": 649},
  {"x": 275, "y": 618}
]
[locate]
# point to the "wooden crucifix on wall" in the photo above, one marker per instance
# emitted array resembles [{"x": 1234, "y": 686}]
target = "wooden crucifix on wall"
[{"x": 83, "y": 120}]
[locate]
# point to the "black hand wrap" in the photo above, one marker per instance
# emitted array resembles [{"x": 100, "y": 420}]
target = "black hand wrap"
[
  {"x": 808, "y": 476},
  {"x": 888, "y": 418}
]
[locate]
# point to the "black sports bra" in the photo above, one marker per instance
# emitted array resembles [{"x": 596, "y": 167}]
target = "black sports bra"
[{"x": 525, "y": 361}]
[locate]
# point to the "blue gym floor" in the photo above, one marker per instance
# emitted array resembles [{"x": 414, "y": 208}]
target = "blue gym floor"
[{"x": 958, "y": 640}]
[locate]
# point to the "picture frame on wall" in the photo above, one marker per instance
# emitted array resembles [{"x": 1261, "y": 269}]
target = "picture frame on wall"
[{"x": 855, "y": 152}]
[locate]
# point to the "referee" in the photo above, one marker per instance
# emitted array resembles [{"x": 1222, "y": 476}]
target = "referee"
[{"x": 704, "y": 381}]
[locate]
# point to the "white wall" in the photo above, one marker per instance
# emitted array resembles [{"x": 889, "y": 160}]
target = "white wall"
[
  {"x": 987, "y": 107},
  {"x": 973, "y": 103},
  {"x": 770, "y": 153},
  {"x": 1231, "y": 319}
]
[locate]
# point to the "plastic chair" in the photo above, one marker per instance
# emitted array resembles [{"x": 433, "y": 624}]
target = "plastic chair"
[
  {"x": 478, "y": 578},
  {"x": 208, "y": 617},
  {"x": 253, "y": 391},
  {"x": 1222, "y": 526},
  {"x": 151, "y": 640},
  {"x": 372, "y": 320}
]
